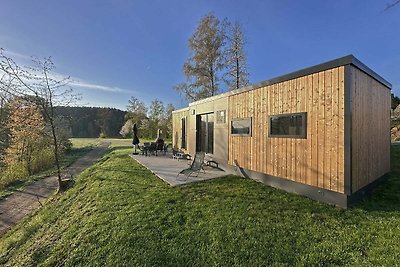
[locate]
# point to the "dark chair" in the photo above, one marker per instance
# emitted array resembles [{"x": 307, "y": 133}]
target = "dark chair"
[
  {"x": 196, "y": 166},
  {"x": 165, "y": 148},
  {"x": 143, "y": 148},
  {"x": 152, "y": 148},
  {"x": 159, "y": 146}
]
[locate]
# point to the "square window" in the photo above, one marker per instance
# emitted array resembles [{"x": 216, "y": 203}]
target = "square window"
[{"x": 241, "y": 127}]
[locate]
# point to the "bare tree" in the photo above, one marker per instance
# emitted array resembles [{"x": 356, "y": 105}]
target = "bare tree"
[
  {"x": 206, "y": 60},
  {"x": 3, "y": 128},
  {"x": 40, "y": 85},
  {"x": 237, "y": 75}
]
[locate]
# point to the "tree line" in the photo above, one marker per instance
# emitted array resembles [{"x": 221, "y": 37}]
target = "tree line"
[
  {"x": 92, "y": 122},
  {"x": 158, "y": 116}
]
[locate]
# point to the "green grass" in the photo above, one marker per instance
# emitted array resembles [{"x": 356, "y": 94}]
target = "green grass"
[
  {"x": 119, "y": 214},
  {"x": 84, "y": 142}
]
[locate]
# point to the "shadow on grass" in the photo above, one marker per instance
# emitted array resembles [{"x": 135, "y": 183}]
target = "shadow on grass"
[{"x": 385, "y": 197}]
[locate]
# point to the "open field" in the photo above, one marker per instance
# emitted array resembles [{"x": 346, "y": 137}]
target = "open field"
[{"x": 119, "y": 214}]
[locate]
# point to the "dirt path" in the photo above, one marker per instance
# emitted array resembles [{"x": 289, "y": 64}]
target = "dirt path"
[{"x": 15, "y": 207}]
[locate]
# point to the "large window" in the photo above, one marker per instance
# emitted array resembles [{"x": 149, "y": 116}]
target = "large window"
[
  {"x": 241, "y": 126},
  {"x": 205, "y": 133},
  {"x": 288, "y": 125}
]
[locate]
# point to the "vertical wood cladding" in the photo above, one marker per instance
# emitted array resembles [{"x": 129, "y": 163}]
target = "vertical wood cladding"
[
  {"x": 370, "y": 129},
  {"x": 317, "y": 160}
]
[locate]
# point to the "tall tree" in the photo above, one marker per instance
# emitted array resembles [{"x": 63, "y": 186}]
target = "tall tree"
[
  {"x": 167, "y": 123},
  {"x": 237, "y": 75},
  {"x": 156, "y": 116},
  {"x": 39, "y": 85},
  {"x": 136, "y": 109},
  {"x": 202, "y": 70},
  {"x": 136, "y": 113}
]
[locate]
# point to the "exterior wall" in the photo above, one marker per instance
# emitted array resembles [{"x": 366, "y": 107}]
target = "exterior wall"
[
  {"x": 317, "y": 160},
  {"x": 177, "y": 128},
  {"x": 220, "y": 129},
  {"x": 370, "y": 129}
]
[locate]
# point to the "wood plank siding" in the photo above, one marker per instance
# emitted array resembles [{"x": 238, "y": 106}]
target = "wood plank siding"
[
  {"x": 316, "y": 160},
  {"x": 370, "y": 129},
  {"x": 177, "y": 128}
]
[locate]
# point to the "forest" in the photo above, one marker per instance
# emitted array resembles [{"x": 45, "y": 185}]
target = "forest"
[{"x": 92, "y": 122}]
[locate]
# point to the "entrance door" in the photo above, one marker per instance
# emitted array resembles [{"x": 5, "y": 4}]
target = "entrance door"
[{"x": 205, "y": 133}]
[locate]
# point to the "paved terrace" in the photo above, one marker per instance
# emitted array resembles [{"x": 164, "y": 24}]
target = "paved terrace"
[{"x": 167, "y": 168}]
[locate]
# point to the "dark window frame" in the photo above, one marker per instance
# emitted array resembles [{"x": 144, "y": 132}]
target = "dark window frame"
[
  {"x": 302, "y": 135},
  {"x": 183, "y": 132},
  {"x": 242, "y": 119}
]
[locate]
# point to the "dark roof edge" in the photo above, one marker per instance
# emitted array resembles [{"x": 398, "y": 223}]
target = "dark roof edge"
[
  {"x": 357, "y": 63},
  {"x": 346, "y": 60}
]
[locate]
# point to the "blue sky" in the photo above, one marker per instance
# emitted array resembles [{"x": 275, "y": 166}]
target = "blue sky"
[{"x": 116, "y": 49}]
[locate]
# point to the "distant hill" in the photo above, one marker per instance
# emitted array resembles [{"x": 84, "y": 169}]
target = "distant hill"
[{"x": 92, "y": 122}]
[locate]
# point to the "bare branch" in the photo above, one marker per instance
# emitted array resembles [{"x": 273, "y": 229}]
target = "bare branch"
[{"x": 390, "y": 5}]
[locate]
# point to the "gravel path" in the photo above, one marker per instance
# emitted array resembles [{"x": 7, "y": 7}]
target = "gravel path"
[{"x": 15, "y": 207}]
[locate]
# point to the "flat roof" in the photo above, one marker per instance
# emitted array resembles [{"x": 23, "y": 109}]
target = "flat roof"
[{"x": 346, "y": 60}]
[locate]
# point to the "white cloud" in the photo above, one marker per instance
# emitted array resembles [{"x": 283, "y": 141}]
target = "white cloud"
[
  {"x": 75, "y": 81},
  {"x": 17, "y": 56},
  {"x": 93, "y": 86}
]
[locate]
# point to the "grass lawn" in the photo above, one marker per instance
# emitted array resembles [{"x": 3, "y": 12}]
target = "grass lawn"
[
  {"x": 84, "y": 142},
  {"x": 119, "y": 214}
]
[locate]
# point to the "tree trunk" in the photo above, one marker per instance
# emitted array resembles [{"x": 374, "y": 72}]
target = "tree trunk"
[
  {"x": 237, "y": 73},
  {"x": 212, "y": 81},
  {"x": 53, "y": 131}
]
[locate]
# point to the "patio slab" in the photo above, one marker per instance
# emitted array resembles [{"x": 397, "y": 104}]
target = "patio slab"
[{"x": 166, "y": 168}]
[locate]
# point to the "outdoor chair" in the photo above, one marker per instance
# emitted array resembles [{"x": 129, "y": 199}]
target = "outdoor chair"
[
  {"x": 152, "y": 148},
  {"x": 196, "y": 166},
  {"x": 143, "y": 148},
  {"x": 165, "y": 148}
]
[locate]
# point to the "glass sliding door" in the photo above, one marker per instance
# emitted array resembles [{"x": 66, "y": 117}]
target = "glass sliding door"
[{"x": 205, "y": 133}]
